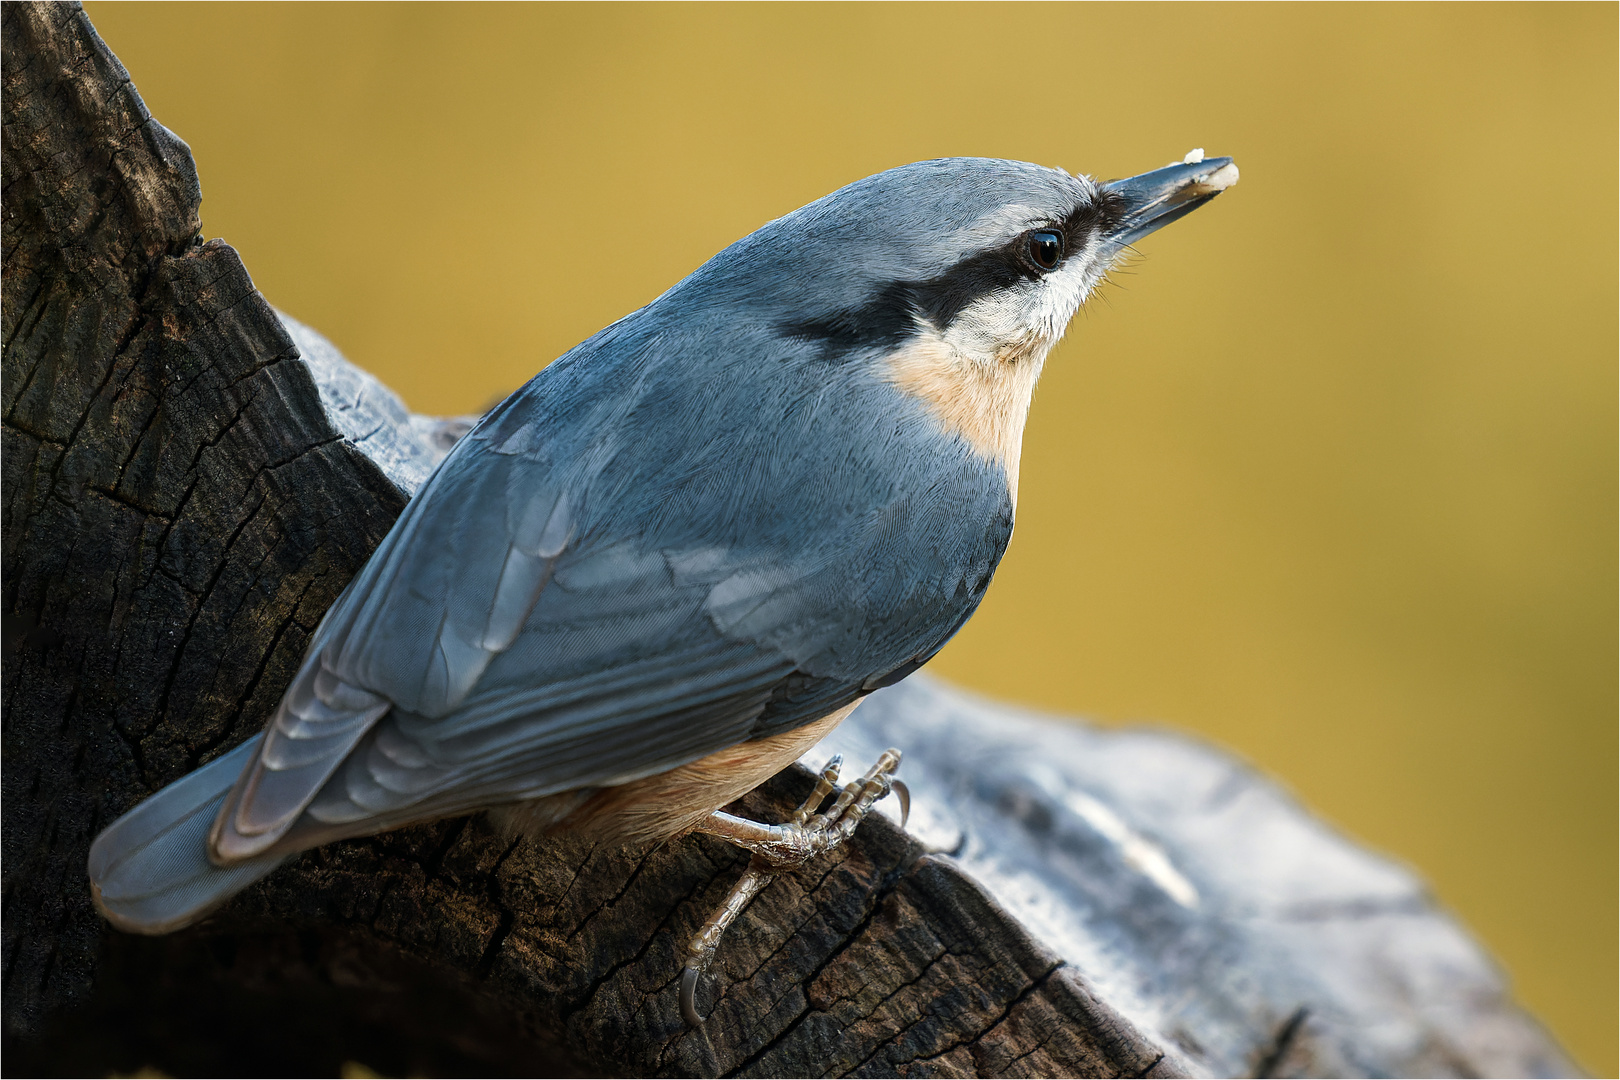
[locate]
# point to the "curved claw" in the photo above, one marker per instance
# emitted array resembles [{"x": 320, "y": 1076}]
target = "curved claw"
[
  {"x": 689, "y": 982},
  {"x": 904, "y": 794}
]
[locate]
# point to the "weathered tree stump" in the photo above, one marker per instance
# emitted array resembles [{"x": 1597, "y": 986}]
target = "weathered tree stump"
[{"x": 190, "y": 480}]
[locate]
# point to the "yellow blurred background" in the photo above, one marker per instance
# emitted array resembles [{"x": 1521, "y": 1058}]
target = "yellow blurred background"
[{"x": 1329, "y": 476}]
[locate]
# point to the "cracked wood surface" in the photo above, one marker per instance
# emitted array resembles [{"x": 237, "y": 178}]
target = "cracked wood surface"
[{"x": 179, "y": 510}]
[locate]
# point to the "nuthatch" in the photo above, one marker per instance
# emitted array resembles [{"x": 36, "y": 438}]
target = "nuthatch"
[{"x": 678, "y": 557}]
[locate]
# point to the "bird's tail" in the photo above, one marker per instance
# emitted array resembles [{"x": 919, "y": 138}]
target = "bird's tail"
[{"x": 149, "y": 870}]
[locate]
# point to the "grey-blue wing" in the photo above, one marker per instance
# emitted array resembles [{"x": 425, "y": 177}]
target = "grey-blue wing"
[{"x": 440, "y": 683}]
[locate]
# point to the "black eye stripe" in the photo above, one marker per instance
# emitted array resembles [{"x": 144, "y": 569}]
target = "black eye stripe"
[{"x": 890, "y": 317}]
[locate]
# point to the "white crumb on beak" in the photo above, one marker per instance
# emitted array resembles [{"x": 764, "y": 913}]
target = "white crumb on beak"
[
  {"x": 1219, "y": 180},
  {"x": 1193, "y": 156}
]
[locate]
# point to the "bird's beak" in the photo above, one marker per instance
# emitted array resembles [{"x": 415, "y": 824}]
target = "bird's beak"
[{"x": 1155, "y": 199}]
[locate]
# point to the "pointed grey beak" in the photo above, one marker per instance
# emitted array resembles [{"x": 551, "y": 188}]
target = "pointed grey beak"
[{"x": 1155, "y": 199}]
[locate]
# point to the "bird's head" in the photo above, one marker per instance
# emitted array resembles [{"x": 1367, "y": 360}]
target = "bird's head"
[
  {"x": 992, "y": 258},
  {"x": 954, "y": 277}
]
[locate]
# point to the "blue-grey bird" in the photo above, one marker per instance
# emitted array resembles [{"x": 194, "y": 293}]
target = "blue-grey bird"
[{"x": 675, "y": 559}]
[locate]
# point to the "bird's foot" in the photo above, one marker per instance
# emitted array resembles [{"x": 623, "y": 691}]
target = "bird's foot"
[{"x": 777, "y": 848}]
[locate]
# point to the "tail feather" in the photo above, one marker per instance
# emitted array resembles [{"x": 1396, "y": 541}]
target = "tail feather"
[{"x": 149, "y": 870}]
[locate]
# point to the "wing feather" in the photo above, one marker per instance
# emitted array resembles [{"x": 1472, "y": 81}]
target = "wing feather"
[{"x": 336, "y": 698}]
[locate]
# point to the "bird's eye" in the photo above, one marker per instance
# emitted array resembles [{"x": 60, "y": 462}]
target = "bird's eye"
[{"x": 1046, "y": 248}]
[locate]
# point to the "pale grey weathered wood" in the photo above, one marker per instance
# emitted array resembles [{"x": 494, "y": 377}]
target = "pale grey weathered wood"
[{"x": 1200, "y": 899}]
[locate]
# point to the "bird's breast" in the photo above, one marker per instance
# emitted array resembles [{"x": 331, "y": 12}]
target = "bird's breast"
[{"x": 982, "y": 399}]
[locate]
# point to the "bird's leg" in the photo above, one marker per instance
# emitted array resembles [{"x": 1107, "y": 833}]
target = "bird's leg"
[
  {"x": 781, "y": 847},
  {"x": 707, "y": 940},
  {"x": 758, "y": 875}
]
